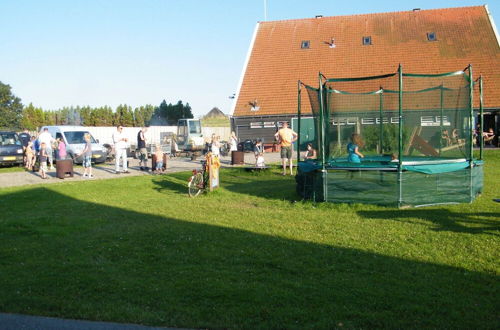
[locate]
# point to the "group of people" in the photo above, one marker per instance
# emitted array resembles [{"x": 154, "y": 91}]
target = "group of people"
[{"x": 44, "y": 148}]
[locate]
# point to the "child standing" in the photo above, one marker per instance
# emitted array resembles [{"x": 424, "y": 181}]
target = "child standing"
[
  {"x": 353, "y": 149},
  {"x": 87, "y": 157},
  {"x": 159, "y": 160},
  {"x": 43, "y": 160}
]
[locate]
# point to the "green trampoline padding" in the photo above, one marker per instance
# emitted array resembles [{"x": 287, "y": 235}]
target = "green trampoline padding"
[{"x": 426, "y": 165}]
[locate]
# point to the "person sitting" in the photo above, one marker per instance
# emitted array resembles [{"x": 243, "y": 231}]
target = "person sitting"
[
  {"x": 488, "y": 136},
  {"x": 446, "y": 137},
  {"x": 260, "y": 161},
  {"x": 353, "y": 149},
  {"x": 311, "y": 153},
  {"x": 258, "y": 149}
]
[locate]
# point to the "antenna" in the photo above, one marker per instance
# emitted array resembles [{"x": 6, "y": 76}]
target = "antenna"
[{"x": 265, "y": 10}]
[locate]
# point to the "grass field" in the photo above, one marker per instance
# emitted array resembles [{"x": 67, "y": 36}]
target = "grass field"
[
  {"x": 215, "y": 122},
  {"x": 138, "y": 250}
]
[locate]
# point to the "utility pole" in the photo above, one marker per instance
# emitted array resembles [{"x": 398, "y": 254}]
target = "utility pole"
[{"x": 265, "y": 10}]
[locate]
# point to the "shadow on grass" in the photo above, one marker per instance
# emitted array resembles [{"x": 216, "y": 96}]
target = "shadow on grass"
[
  {"x": 112, "y": 264},
  {"x": 443, "y": 219}
]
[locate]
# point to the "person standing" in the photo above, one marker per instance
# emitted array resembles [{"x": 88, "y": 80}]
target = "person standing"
[
  {"x": 61, "y": 148},
  {"x": 87, "y": 157},
  {"x": 143, "y": 152},
  {"x": 286, "y": 136},
  {"x": 43, "y": 160},
  {"x": 233, "y": 142},
  {"x": 215, "y": 147},
  {"x": 46, "y": 137},
  {"x": 25, "y": 138},
  {"x": 120, "y": 141}
]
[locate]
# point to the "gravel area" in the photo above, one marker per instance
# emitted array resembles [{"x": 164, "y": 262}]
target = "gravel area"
[{"x": 106, "y": 170}]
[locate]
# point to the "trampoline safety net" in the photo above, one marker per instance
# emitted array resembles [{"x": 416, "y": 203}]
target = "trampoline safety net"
[{"x": 415, "y": 132}]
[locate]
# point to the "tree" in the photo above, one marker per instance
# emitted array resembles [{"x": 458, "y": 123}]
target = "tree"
[
  {"x": 124, "y": 115},
  {"x": 11, "y": 108},
  {"x": 169, "y": 114},
  {"x": 143, "y": 115}
]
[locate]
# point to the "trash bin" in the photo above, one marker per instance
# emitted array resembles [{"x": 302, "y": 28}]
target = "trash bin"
[
  {"x": 237, "y": 158},
  {"x": 64, "y": 167}
]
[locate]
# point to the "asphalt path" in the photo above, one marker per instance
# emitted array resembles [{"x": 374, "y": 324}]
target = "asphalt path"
[{"x": 28, "y": 322}]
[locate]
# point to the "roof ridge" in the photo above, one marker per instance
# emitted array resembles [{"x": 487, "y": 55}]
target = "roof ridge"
[{"x": 370, "y": 14}]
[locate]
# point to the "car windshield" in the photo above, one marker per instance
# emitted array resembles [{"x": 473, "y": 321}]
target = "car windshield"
[
  {"x": 77, "y": 137},
  {"x": 9, "y": 138},
  {"x": 194, "y": 127}
]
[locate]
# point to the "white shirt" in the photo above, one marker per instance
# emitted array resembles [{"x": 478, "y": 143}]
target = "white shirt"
[
  {"x": 234, "y": 144},
  {"x": 118, "y": 140},
  {"x": 47, "y": 138},
  {"x": 215, "y": 148}
]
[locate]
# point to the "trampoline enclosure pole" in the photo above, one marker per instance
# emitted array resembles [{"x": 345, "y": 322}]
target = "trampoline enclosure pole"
[
  {"x": 381, "y": 128},
  {"x": 471, "y": 114},
  {"x": 400, "y": 139},
  {"x": 441, "y": 119},
  {"x": 298, "y": 121},
  {"x": 480, "y": 133}
]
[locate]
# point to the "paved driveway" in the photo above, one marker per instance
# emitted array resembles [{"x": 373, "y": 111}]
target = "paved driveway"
[{"x": 106, "y": 171}]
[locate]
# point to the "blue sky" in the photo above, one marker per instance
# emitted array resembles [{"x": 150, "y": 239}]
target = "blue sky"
[{"x": 62, "y": 53}]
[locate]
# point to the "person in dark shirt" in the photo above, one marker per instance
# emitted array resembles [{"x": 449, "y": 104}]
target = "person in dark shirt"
[{"x": 141, "y": 146}]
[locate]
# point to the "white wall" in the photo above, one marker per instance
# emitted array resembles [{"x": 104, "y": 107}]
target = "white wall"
[{"x": 105, "y": 133}]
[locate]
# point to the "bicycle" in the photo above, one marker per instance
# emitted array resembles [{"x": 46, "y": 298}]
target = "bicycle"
[{"x": 199, "y": 180}]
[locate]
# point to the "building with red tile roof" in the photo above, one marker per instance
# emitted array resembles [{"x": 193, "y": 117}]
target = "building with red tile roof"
[{"x": 422, "y": 41}]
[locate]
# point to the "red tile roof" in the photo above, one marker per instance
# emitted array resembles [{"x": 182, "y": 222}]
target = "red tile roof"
[{"x": 464, "y": 35}]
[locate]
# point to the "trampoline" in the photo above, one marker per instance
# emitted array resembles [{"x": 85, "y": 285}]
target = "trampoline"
[{"x": 417, "y": 133}]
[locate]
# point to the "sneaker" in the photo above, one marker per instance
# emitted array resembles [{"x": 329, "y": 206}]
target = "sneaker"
[
  {"x": 91, "y": 176},
  {"x": 84, "y": 175}
]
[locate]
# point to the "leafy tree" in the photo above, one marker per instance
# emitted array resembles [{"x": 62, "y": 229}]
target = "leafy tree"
[
  {"x": 11, "y": 108},
  {"x": 169, "y": 114},
  {"x": 143, "y": 114},
  {"x": 124, "y": 115}
]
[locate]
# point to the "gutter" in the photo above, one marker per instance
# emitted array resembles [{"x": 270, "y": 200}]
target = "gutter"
[
  {"x": 237, "y": 95},
  {"x": 493, "y": 26}
]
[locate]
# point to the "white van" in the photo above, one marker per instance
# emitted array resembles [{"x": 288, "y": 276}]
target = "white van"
[{"x": 73, "y": 137}]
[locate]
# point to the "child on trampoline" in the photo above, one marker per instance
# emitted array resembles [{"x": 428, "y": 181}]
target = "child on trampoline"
[{"x": 353, "y": 149}]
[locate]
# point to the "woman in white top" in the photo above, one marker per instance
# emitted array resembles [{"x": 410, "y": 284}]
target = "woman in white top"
[
  {"x": 233, "y": 142},
  {"x": 215, "y": 146}
]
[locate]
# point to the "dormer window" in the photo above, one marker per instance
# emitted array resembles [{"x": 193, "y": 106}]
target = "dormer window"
[
  {"x": 431, "y": 36},
  {"x": 305, "y": 44},
  {"x": 367, "y": 41}
]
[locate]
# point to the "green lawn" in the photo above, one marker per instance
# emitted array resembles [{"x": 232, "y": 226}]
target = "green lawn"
[{"x": 139, "y": 250}]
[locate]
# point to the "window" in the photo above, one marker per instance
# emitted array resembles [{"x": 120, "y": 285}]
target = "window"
[
  {"x": 431, "y": 36},
  {"x": 269, "y": 124},
  {"x": 367, "y": 41},
  {"x": 75, "y": 137},
  {"x": 257, "y": 124},
  {"x": 305, "y": 44},
  {"x": 194, "y": 127},
  {"x": 9, "y": 138}
]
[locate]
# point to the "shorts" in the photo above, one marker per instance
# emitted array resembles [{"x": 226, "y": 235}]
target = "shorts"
[
  {"x": 143, "y": 154},
  {"x": 286, "y": 152},
  {"x": 43, "y": 166},
  {"x": 87, "y": 161},
  {"x": 159, "y": 165}
]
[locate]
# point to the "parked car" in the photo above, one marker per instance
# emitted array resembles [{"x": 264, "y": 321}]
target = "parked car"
[
  {"x": 73, "y": 137},
  {"x": 11, "y": 149}
]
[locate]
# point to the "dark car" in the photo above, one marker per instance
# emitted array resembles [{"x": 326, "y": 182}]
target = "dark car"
[{"x": 11, "y": 149}]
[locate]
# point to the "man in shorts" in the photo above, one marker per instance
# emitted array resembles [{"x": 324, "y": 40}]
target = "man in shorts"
[
  {"x": 286, "y": 136},
  {"x": 143, "y": 152}
]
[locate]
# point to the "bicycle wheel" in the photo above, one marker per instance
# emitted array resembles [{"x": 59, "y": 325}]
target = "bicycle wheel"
[{"x": 195, "y": 185}]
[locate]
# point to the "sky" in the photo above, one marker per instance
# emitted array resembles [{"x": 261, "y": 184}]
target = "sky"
[{"x": 110, "y": 52}]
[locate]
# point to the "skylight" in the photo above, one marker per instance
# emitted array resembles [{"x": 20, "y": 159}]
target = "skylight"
[
  {"x": 305, "y": 44},
  {"x": 431, "y": 36},
  {"x": 367, "y": 41}
]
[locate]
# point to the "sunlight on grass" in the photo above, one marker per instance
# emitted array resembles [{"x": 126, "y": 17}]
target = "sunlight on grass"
[{"x": 250, "y": 255}]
